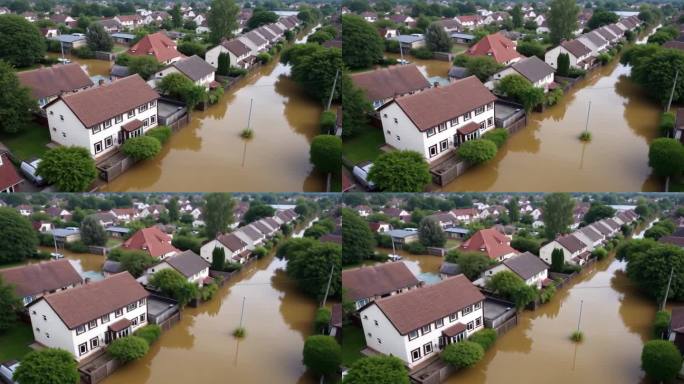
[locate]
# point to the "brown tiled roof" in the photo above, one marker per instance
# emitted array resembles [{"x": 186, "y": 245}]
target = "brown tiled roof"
[
  {"x": 674, "y": 44},
  {"x": 571, "y": 243},
  {"x": 255, "y": 38},
  {"x": 434, "y": 106},
  {"x": 251, "y": 232},
  {"x": 606, "y": 33},
  {"x": 533, "y": 68},
  {"x": 601, "y": 228},
  {"x": 615, "y": 29},
  {"x": 158, "y": 45},
  {"x": 90, "y": 301},
  {"x": 526, "y": 265},
  {"x": 385, "y": 83},
  {"x": 236, "y": 47},
  {"x": 32, "y": 279},
  {"x": 194, "y": 67},
  {"x": 591, "y": 233},
  {"x": 132, "y": 125},
  {"x": 595, "y": 38},
  {"x": 8, "y": 174},
  {"x": 454, "y": 330},
  {"x": 231, "y": 241},
  {"x": 377, "y": 280},
  {"x": 468, "y": 128},
  {"x": 576, "y": 48},
  {"x": 497, "y": 46},
  {"x": 267, "y": 34},
  {"x": 413, "y": 309},
  {"x": 272, "y": 222},
  {"x": 96, "y": 105},
  {"x": 53, "y": 81},
  {"x": 263, "y": 228},
  {"x": 188, "y": 263},
  {"x": 331, "y": 238},
  {"x": 120, "y": 325}
]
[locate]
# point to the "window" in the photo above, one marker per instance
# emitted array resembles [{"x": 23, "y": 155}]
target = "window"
[
  {"x": 396, "y": 121},
  {"x": 142, "y": 108},
  {"x": 478, "y": 305},
  {"x": 430, "y": 132},
  {"x": 439, "y": 323},
  {"x": 153, "y": 119},
  {"x": 415, "y": 354},
  {"x": 98, "y": 147},
  {"x": 118, "y": 119},
  {"x": 365, "y": 317},
  {"x": 427, "y": 349},
  {"x": 104, "y": 319},
  {"x": 466, "y": 116},
  {"x": 413, "y": 335},
  {"x": 376, "y": 322},
  {"x": 470, "y": 326},
  {"x": 134, "y": 321},
  {"x": 61, "y": 117},
  {"x": 82, "y": 348},
  {"x": 94, "y": 342},
  {"x": 433, "y": 150},
  {"x": 108, "y": 123},
  {"x": 44, "y": 317},
  {"x": 92, "y": 324},
  {"x": 80, "y": 329},
  {"x": 63, "y": 134},
  {"x": 131, "y": 307},
  {"x": 442, "y": 127},
  {"x": 453, "y": 316},
  {"x": 142, "y": 318},
  {"x": 131, "y": 113},
  {"x": 97, "y": 128},
  {"x": 426, "y": 329},
  {"x": 118, "y": 313},
  {"x": 467, "y": 310},
  {"x": 384, "y": 115},
  {"x": 379, "y": 340},
  {"x": 454, "y": 122},
  {"x": 483, "y": 125},
  {"x": 47, "y": 334},
  {"x": 153, "y": 103},
  {"x": 38, "y": 330},
  {"x": 443, "y": 145},
  {"x": 490, "y": 106},
  {"x": 108, "y": 141},
  {"x": 141, "y": 301},
  {"x": 479, "y": 110},
  {"x": 490, "y": 121},
  {"x": 478, "y": 321}
]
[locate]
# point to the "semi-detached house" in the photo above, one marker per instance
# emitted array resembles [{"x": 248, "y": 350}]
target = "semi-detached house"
[
  {"x": 237, "y": 51},
  {"x": 85, "y": 319},
  {"x": 384, "y": 84},
  {"x": 437, "y": 120},
  {"x": 101, "y": 119},
  {"x": 578, "y": 53},
  {"x": 366, "y": 284},
  {"x": 415, "y": 325}
]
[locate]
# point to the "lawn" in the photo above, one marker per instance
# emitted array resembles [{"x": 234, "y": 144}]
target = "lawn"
[
  {"x": 354, "y": 342},
  {"x": 452, "y": 243},
  {"x": 365, "y": 146},
  {"x": 458, "y": 48},
  {"x": 15, "y": 342},
  {"x": 111, "y": 242},
  {"x": 28, "y": 143}
]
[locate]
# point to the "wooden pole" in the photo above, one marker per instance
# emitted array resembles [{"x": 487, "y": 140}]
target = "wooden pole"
[
  {"x": 667, "y": 290},
  {"x": 580, "y": 315},
  {"x": 332, "y": 91},
  {"x": 327, "y": 289},
  {"x": 674, "y": 84},
  {"x": 242, "y": 313},
  {"x": 586, "y": 125},
  {"x": 249, "y": 118}
]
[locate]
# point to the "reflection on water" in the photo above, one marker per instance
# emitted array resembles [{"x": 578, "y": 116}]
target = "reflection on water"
[
  {"x": 616, "y": 321},
  {"x": 277, "y": 317}
]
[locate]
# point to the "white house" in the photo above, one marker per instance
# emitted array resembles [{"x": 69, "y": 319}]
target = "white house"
[
  {"x": 574, "y": 250},
  {"x": 527, "y": 266},
  {"x": 414, "y": 326},
  {"x": 250, "y": 235},
  {"x": 102, "y": 118},
  {"x": 435, "y": 121},
  {"x": 578, "y": 53},
  {"x": 33, "y": 281},
  {"x": 594, "y": 41},
  {"x": 254, "y": 41},
  {"x": 85, "y": 319},
  {"x": 589, "y": 236},
  {"x": 189, "y": 264},
  {"x": 194, "y": 68},
  {"x": 232, "y": 245},
  {"x": 533, "y": 69},
  {"x": 238, "y": 53},
  {"x": 366, "y": 284}
]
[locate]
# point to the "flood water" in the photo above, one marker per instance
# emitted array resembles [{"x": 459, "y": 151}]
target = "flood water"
[{"x": 209, "y": 155}]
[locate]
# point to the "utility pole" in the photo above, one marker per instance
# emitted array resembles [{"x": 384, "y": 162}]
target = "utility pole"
[
  {"x": 401, "y": 52},
  {"x": 586, "y": 125},
  {"x": 674, "y": 84},
  {"x": 580, "y": 315},
  {"x": 249, "y": 118},
  {"x": 332, "y": 91},
  {"x": 667, "y": 290},
  {"x": 332, "y": 268},
  {"x": 242, "y": 313}
]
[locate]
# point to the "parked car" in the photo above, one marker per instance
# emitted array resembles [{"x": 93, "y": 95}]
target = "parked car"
[
  {"x": 63, "y": 61},
  {"x": 56, "y": 255},
  {"x": 7, "y": 370},
  {"x": 360, "y": 173},
  {"x": 393, "y": 257},
  {"x": 28, "y": 169}
]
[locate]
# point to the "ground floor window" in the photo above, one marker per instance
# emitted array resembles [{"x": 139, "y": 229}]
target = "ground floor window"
[
  {"x": 470, "y": 326},
  {"x": 433, "y": 150},
  {"x": 443, "y": 145},
  {"x": 94, "y": 342},
  {"x": 142, "y": 318},
  {"x": 478, "y": 321},
  {"x": 490, "y": 121},
  {"x": 415, "y": 354},
  {"x": 153, "y": 119},
  {"x": 109, "y": 141},
  {"x": 82, "y": 348},
  {"x": 98, "y": 147},
  {"x": 427, "y": 349}
]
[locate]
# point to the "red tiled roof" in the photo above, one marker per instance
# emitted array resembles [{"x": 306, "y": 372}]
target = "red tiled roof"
[
  {"x": 8, "y": 174},
  {"x": 158, "y": 45},
  {"x": 151, "y": 240},
  {"x": 489, "y": 241},
  {"x": 496, "y": 45}
]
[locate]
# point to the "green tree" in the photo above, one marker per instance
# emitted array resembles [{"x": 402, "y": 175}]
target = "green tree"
[
  {"x": 482, "y": 67},
  {"x": 218, "y": 259},
  {"x": 356, "y": 109},
  {"x": 557, "y": 260},
  {"x": 517, "y": 16},
  {"x": 171, "y": 283},
  {"x": 48, "y": 366},
  {"x": 176, "y": 16},
  {"x": 21, "y": 43},
  {"x": 141, "y": 147},
  {"x": 223, "y": 64},
  {"x": 310, "y": 262},
  {"x": 400, "y": 171},
  {"x": 430, "y": 233},
  {"x": 357, "y": 238},
  {"x": 145, "y": 66},
  {"x": 485, "y": 337},
  {"x": 463, "y": 354},
  {"x": 10, "y": 306},
  {"x": 181, "y": 87},
  {"x": 322, "y": 354},
  {"x": 597, "y": 212},
  {"x": 316, "y": 71},
  {"x": 513, "y": 209},
  {"x": 436, "y": 38},
  {"x": 18, "y": 240},
  {"x": 563, "y": 64},
  {"x": 666, "y": 157},
  {"x": 472, "y": 263},
  {"x": 222, "y": 20},
  {"x": 602, "y": 17},
  {"x": 661, "y": 360},
  {"x": 510, "y": 286},
  {"x": 217, "y": 213},
  {"x": 531, "y": 48},
  {"x": 190, "y": 48},
  {"x": 92, "y": 232},
  {"x": 261, "y": 16},
  {"x": 477, "y": 151},
  {"x": 562, "y": 20},
  {"x": 558, "y": 209},
  {"x": 16, "y": 102},
  {"x": 173, "y": 209},
  {"x": 378, "y": 369},
  {"x": 650, "y": 269},
  {"x": 656, "y": 72},
  {"x": 136, "y": 262},
  {"x": 98, "y": 39},
  {"x": 256, "y": 211},
  {"x": 128, "y": 348},
  {"x": 363, "y": 46},
  {"x": 526, "y": 244},
  {"x": 326, "y": 153}
]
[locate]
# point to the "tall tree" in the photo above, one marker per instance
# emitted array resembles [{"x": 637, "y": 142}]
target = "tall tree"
[
  {"x": 217, "y": 212},
  {"x": 597, "y": 212},
  {"x": 18, "y": 240},
  {"x": 16, "y": 103},
  {"x": 363, "y": 46},
  {"x": 10, "y": 305},
  {"x": 98, "y": 39},
  {"x": 513, "y": 209},
  {"x": 258, "y": 210},
  {"x": 311, "y": 266},
  {"x": 517, "y": 16},
  {"x": 218, "y": 258},
  {"x": 21, "y": 43},
  {"x": 558, "y": 209},
  {"x": 557, "y": 260},
  {"x": 92, "y": 232},
  {"x": 261, "y": 17},
  {"x": 174, "y": 211},
  {"x": 562, "y": 20},
  {"x": 356, "y": 108},
  {"x": 222, "y": 20},
  {"x": 357, "y": 238},
  {"x": 176, "y": 16},
  {"x": 430, "y": 233},
  {"x": 436, "y": 38}
]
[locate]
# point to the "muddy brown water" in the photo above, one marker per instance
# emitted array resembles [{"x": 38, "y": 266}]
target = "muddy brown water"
[{"x": 616, "y": 321}]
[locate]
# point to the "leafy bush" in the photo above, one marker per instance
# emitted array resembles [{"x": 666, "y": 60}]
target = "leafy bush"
[
  {"x": 77, "y": 247},
  {"x": 661, "y": 360},
  {"x": 415, "y": 248},
  {"x": 240, "y": 332},
  {"x": 328, "y": 121},
  {"x": 161, "y": 133},
  {"x": 83, "y": 53},
  {"x": 477, "y": 151},
  {"x": 236, "y": 71},
  {"x": 498, "y": 136},
  {"x": 526, "y": 244},
  {"x": 215, "y": 95},
  {"x": 141, "y": 147},
  {"x": 577, "y": 336},
  {"x": 150, "y": 333},
  {"x": 667, "y": 122},
  {"x": 260, "y": 252},
  {"x": 462, "y": 355},
  {"x": 553, "y": 97},
  {"x": 322, "y": 354},
  {"x": 264, "y": 57},
  {"x": 661, "y": 323},
  {"x": 322, "y": 319},
  {"x": 128, "y": 348},
  {"x": 599, "y": 253},
  {"x": 547, "y": 293},
  {"x": 422, "y": 53},
  {"x": 604, "y": 58},
  {"x": 485, "y": 338},
  {"x": 585, "y": 136},
  {"x": 208, "y": 291}
]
